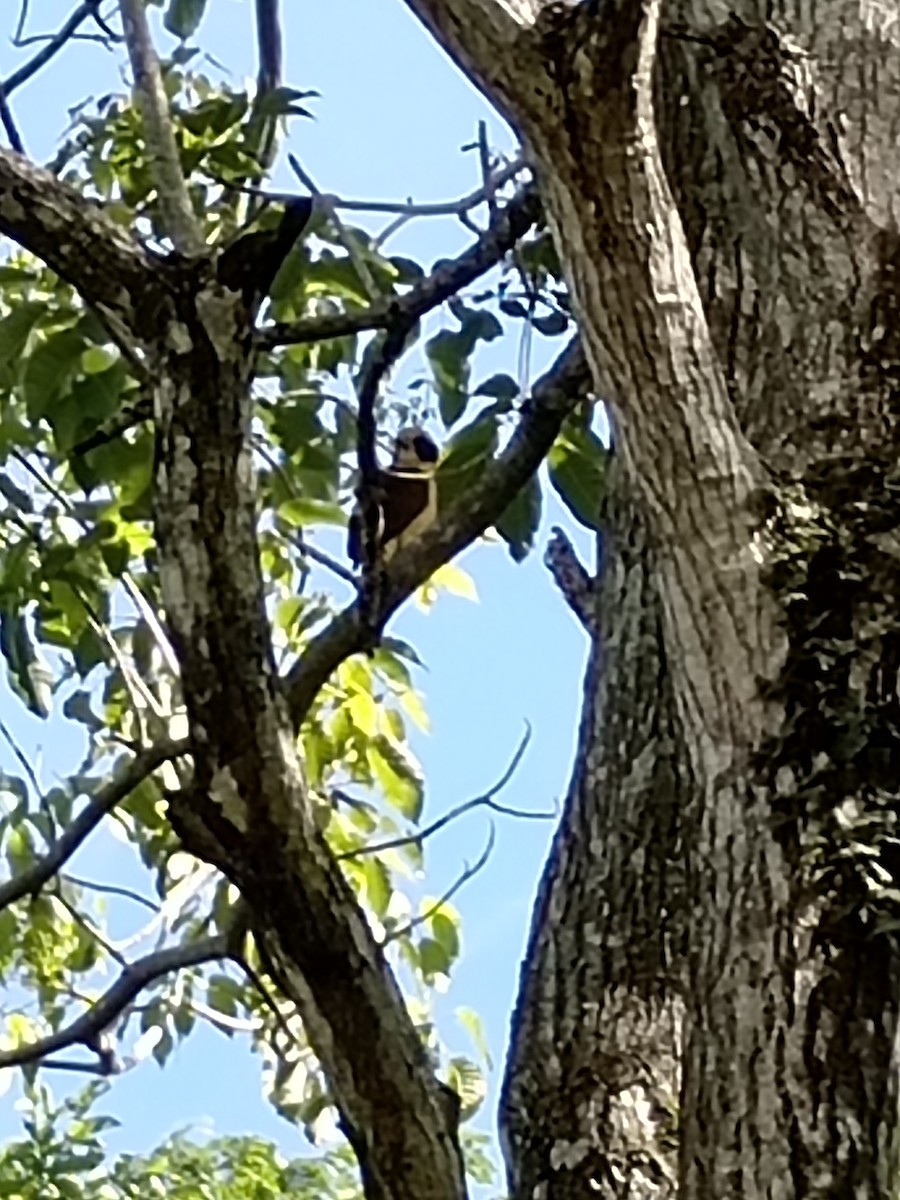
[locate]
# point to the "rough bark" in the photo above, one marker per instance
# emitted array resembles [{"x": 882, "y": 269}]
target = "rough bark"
[{"x": 720, "y": 182}]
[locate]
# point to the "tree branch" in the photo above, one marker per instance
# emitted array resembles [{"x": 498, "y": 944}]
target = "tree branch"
[
  {"x": 30, "y": 881},
  {"x": 485, "y": 800},
  {"x": 175, "y": 207},
  {"x": 577, "y": 585},
  {"x": 554, "y": 396},
  {"x": 89, "y": 1028},
  {"x": 74, "y": 238},
  {"x": 9, "y": 123},
  {"x": 511, "y": 224},
  {"x": 54, "y": 45}
]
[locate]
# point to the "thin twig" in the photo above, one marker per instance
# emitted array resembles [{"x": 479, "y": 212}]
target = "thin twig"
[
  {"x": 30, "y": 881},
  {"x": 54, "y": 45},
  {"x": 486, "y": 800},
  {"x": 512, "y": 223},
  {"x": 178, "y": 216},
  {"x": 347, "y": 239},
  {"x": 467, "y": 874},
  {"x": 407, "y": 209},
  {"x": 111, "y": 889}
]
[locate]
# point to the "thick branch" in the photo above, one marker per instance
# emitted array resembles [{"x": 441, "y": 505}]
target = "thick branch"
[
  {"x": 89, "y": 1028},
  {"x": 30, "y": 882},
  {"x": 510, "y": 224},
  {"x": 555, "y": 395},
  {"x": 178, "y": 216},
  {"x": 73, "y": 237}
]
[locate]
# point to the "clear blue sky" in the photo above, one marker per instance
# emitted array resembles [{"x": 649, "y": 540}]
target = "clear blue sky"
[{"x": 392, "y": 117}]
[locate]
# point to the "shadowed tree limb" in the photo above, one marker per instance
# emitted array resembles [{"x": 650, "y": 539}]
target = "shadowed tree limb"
[
  {"x": 89, "y": 1029},
  {"x": 554, "y": 396},
  {"x": 30, "y": 881},
  {"x": 575, "y": 582}
]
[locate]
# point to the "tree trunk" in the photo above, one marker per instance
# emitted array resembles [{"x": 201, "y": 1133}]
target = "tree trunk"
[{"x": 709, "y": 1001}]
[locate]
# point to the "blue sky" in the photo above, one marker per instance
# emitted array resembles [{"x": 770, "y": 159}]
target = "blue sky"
[{"x": 392, "y": 117}]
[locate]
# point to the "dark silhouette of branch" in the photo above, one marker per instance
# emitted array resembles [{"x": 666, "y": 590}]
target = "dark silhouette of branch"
[
  {"x": 512, "y": 223},
  {"x": 554, "y": 396},
  {"x": 30, "y": 881},
  {"x": 269, "y": 43},
  {"x": 90, "y": 1028},
  {"x": 467, "y": 874},
  {"x": 485, "y": 800},
  {"x": 9, "y": 123},
  {"x": 22, "y": 74},
  {"x": 574, "y": 581}
]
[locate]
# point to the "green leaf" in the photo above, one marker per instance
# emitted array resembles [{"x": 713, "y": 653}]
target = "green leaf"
[
  {"x": 14, "y": 331},
  {"x": 501, "y": 387},
  {"x": 378, "y": 885},
  {"x": 183, "y": 17},
  {"x": 433, "y": 959},
  {"x": 577, "y": 470},
  {"x": 304, "y": 511},
  {"x": 552, "y": 324},
  {"x": 469, "y": 1084},
  {"x": 49, "y": 369},
  {"x": 474, "y": 1026},
  {"x": 401, "y": 783},
  {"x": 446, "y": 931},
  {"x": 448, "y": 354},
  {"x": 519, "y": 521},
  {"x": 466, "y": 456},
  {"x": 28, "y": 675}
]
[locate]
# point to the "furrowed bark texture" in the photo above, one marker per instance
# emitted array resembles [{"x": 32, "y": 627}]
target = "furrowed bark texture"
[
  {"x": 709, "y": 1002},
  {"x": 248, "y": 797}
]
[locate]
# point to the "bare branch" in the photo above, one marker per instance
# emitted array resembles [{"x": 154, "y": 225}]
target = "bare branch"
[
  {"x": 73, "y": 237},
  {"x": 110, "y": 889},
  {"x": 578, "y": 586},
  {"x": 485, "y": 800},
  {"x": 347, "y": 238},
  {"x": 89, "y": 1028},
  {"x": 555, "y": 395},
  {"x": 467, "y": 874},
  {"x": 269, "y": 44},
  {"x": 53, "y": 46},
  {"x": 174, "y": 202},
  {"x": 9, "y": 123},
  {"x": 511, "y": 224},
  {"x": 30, "y": 881}
]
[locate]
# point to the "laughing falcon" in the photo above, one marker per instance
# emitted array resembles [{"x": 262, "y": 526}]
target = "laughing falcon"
[{"x": 408, "y": 501}]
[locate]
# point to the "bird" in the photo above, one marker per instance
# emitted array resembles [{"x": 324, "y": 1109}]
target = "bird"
[{"x": 406, "y": 497}]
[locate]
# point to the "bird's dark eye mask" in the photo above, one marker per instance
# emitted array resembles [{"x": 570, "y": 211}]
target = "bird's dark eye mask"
[{"x": 426, "y": 450}]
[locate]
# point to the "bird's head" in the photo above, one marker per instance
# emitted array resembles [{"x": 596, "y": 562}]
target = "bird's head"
[{"x": 414, "y": 450}]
